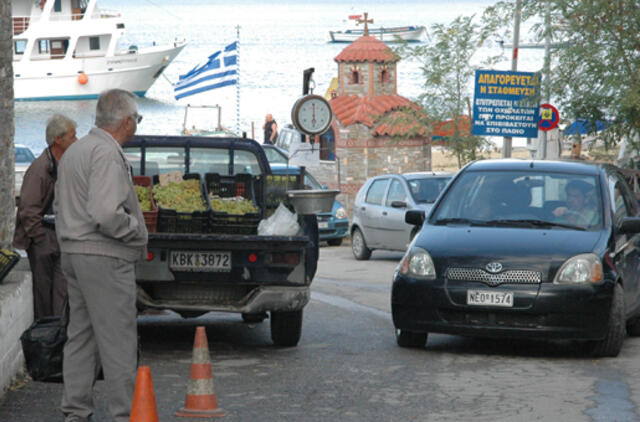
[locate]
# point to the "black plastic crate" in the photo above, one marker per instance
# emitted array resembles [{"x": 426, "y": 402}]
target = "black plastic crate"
[
  {"x": 277, "y": 187},
  {"x": 172, "y": 221},
  {"x": 229, "y": 187}
]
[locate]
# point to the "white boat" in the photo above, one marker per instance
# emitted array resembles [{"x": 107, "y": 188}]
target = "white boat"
[
  {"x": 70, "y": 49},
  {"x": 406, "y": 33}
]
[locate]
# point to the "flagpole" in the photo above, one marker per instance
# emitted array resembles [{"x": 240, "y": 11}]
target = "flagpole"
[{"x": 238, "y": 84}]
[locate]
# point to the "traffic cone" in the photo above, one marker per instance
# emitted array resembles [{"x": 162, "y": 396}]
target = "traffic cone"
[
  {"x": 144, "y": 407},
  {"x": 201, "y": 401}
]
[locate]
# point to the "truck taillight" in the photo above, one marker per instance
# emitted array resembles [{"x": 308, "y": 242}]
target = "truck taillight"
[
  {"x": 150, "y": 256},
  {"x": 253, "y": 258}
]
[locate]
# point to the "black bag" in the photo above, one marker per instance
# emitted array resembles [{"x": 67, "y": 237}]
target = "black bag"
[{"x": 42, "y": 345}]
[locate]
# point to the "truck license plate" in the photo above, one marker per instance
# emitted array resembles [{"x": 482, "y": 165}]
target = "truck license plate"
[
  {"x": 206, "y": 261},
  {"x": 323, "y": 225},
  {"x": 489, "y": 298}
]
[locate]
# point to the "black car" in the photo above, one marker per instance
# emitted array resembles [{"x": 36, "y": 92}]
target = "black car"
[{"x": 524, "y": 249}]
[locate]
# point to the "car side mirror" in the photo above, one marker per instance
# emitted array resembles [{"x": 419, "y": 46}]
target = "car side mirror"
[
  {"x": 398, "y": 204},
  {"x": 415, "y": 217},
  {"x": 629, "y": 225}
]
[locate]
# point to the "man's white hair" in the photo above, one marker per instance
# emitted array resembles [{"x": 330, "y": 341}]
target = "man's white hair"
[
  {"x": 58, "y": 125},
  {"x": 113, "y": 106}
]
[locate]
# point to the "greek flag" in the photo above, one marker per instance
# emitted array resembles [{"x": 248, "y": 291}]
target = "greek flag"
[{"x": 221, "y": 69}]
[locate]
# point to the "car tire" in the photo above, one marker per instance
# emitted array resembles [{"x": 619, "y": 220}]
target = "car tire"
[
  {"x": 254, "y": 318},
  {"x": 411, "y": 339},
  {"x": 286, "y": 328},
  {"x": 612, "y": 343},
  {"x": 359, "y": 246},
  {"x": 633, "y": 327},
  {"x": 334, "y": 242}
]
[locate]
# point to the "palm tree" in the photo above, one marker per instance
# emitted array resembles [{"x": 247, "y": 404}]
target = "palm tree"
[{"x": 7, "y": 202}]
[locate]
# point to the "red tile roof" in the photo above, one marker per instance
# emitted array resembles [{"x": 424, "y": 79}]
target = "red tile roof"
[
  {"x": 399, "y": 129},
  {"x": 447, "y": 127},
  {"x": 366, "y": 49},
  {"x": 350, "y": 109}
]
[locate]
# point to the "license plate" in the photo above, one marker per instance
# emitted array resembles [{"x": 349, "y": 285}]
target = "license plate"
[
  {"x": 489, "y": 298},
  {"x": 323, "y": 225},
  {"x": 200, "y": 261}
]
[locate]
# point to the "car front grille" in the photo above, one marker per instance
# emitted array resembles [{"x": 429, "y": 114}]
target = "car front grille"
[{"x": 505, "y": 277}]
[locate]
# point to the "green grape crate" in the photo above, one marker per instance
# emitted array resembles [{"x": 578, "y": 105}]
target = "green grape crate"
[
  {"x": 150, "y": 217},
  {"x": 241, "y": 185},
  {"x": 172, "y": 221}
]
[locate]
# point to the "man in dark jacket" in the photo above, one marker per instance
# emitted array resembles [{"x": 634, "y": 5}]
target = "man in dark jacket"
[
  {"x": 33, "y": 233},
  {"x": 270, "y": 130}
]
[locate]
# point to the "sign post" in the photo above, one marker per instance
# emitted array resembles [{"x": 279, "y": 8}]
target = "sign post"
[{"x": 502, "y": 105}]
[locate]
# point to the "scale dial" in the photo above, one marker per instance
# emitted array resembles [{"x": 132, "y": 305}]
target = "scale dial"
[{"x": 312, "y": 114}]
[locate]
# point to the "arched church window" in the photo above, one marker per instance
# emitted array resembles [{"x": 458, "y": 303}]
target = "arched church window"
[
  {"x": 385, "y": 75},
  {"x": 354, "y": 75}
]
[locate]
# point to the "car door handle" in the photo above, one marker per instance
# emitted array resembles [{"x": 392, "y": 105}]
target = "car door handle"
[
  {"x": 363, "y": 208},
  {"x": 384, "y": 213}
]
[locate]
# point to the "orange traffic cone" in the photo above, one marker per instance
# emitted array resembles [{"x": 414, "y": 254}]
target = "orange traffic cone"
[
  {"x": 201, "y": 400},
  {"x": 144, "y": 407}
]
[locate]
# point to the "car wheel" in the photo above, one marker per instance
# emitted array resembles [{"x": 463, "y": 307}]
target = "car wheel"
[
  {"x": 359, "y": 246},
  {"x": 254, "y": 318},
  {"x": 334, "y": 242},
  {"x": 612, "y": 343},
  {"x": 286, "y": 328},
  {"x": 412, "y": 339},
  {"x": 633, "y": 327}
]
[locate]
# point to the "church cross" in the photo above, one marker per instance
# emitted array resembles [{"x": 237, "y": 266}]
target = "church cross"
[{"x": 365, "y": 21}]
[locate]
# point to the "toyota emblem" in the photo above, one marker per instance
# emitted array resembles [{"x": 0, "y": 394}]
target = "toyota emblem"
[{"x": 494, "y": 267}]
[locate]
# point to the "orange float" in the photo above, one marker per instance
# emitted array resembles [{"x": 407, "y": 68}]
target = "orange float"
[{"x": 83, "y": 78}]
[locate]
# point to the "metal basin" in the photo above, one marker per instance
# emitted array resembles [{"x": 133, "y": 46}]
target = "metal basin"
[{"x": 312, "y": 201}]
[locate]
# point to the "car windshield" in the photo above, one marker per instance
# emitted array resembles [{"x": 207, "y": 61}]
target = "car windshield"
[
  {"x": 274, "y": 156},
  {"x": 23, "y": 155},
  {"x": 426, "y": 190},
  {"x": 522, "y": 199}
]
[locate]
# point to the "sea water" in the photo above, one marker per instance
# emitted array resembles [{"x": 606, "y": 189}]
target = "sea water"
[{"x": 278, "y": 40}]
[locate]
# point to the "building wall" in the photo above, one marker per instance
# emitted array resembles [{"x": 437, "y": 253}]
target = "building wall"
[
  {"x": 363, "y": 156},
  {"x": 388, "y": 87},
  {"x": 349, "y": 88}
]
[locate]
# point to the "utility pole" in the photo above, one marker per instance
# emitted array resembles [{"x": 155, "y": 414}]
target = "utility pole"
[
  {"x": 7, "y": 168},
  {"x": 547, "y": 71},
  {"x": 506, "y": 143}
]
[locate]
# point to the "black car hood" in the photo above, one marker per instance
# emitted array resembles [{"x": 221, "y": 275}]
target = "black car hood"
[{"x": 514, "y": 248}]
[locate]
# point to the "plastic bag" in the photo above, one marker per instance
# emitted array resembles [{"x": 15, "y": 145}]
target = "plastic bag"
[{"x": 281, "y": 223}]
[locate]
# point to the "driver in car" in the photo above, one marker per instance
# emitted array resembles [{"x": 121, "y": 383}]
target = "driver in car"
[{"x": 579, "y": 210}]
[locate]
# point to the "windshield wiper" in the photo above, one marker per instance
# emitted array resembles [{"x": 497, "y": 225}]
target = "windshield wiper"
[
  {"x": 533, "y": 222},
  {"x": 443, "y": 221}
]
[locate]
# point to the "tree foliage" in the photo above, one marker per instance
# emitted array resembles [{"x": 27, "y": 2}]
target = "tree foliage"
[
  {"x": 446, "y": 62},
  {"x": 595, "y": 67}
]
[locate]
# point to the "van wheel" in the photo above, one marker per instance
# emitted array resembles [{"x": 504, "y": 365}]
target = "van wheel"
[
  {"x": 359, "y": 246},
  {"x": 411, "y": 339},
  {"x": 612, "y": 343},
  {"x": 286, "y": 328}
]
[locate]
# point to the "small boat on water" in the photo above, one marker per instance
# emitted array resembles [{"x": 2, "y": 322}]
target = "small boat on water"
[
  {"x": 71, "y": 49},
  {"x": 390, "y": 34}
]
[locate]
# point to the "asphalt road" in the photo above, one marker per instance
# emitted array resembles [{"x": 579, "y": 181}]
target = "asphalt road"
[{"x": 348, "y": 367}]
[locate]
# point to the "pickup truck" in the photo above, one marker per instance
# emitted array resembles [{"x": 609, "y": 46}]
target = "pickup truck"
[{"x": 196, "y": 271}]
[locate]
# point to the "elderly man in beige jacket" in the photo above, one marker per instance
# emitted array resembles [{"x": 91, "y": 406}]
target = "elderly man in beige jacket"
[{"x": 101, "y": 232}]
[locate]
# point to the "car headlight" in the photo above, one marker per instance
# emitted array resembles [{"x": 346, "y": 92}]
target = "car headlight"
[
  {"x": 341, "y": 213},
  {"x": 584, "y": 268},
  {"x": 417, "y": 263}
]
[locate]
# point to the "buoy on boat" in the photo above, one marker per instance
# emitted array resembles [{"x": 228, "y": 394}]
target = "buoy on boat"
[{"x": 83, "y": 78}]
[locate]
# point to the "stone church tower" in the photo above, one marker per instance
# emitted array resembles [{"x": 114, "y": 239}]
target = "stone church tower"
[{"x": 367, "y": 92}]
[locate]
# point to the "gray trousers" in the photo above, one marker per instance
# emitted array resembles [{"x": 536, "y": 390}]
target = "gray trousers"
[{"x": 102, "y": 330}]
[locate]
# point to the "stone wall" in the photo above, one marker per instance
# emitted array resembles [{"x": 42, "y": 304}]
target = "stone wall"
[
  {"x": 7, "y": 201},
  {"x": 16, "y": 315},
  {"x": 363, "y": 156}
]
